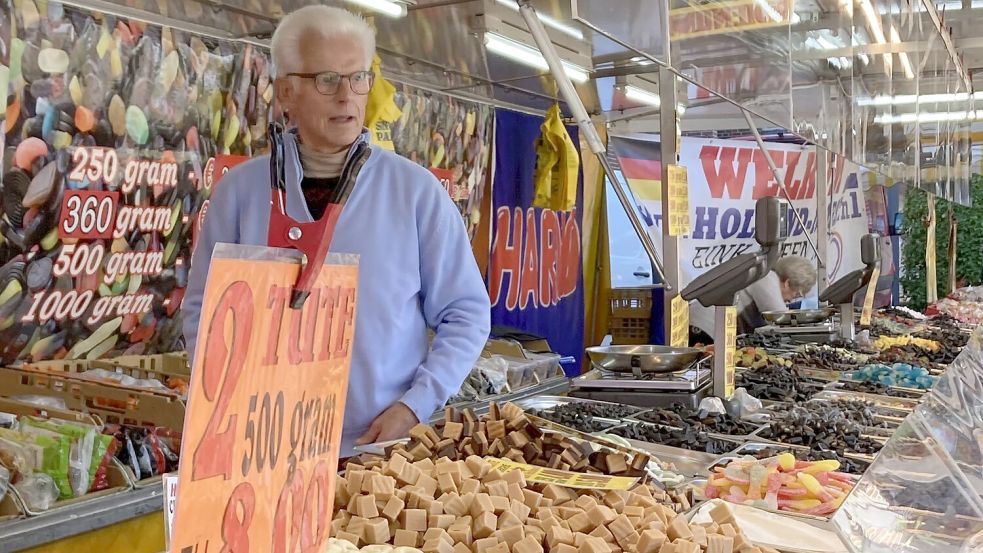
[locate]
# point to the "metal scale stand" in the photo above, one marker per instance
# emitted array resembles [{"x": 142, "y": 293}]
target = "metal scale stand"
[
  {"x": 718, "y": 287},
  {"x": 646, "y": 389},
  {"x": 842, "y": 292}
]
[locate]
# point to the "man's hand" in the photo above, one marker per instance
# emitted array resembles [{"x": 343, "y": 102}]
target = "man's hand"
[{"x": 394, "y": 423}]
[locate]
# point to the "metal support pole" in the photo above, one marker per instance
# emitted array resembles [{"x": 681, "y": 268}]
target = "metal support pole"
[
  {"x": 668, "y": 126},
  {"x": 780, "y": 178},
  {"x": 583, "y": 120},
  {"x": 847, "y": 328},
  {"x": 822, "y": 207}
]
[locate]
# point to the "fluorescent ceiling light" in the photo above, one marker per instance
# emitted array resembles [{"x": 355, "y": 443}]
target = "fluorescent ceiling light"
[
  {"x": 641, "y": 95},
  {"x": 385, "y": 7},
  {"x": 905, "y": 61},
  {"x": 873, "y": 21},
  {"x": 908, "y": 99},
  {"x": 548, "y": 21},
  {"x": 531, "y": 57},
  {"x": 928, "y": 117}
]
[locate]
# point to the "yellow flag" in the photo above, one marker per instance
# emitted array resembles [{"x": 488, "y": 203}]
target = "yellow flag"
[{"x": 381, "y": 111}]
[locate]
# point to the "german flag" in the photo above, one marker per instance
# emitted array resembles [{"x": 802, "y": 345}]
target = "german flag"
[{"x": 641, "y": 166}]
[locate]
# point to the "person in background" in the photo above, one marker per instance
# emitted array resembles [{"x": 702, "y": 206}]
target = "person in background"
[
  {"x": 790, "y": 279},
  {"x": 417, "y": 271}
]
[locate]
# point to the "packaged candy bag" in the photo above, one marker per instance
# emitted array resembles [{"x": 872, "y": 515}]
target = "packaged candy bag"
[
  {"x": 82, "y": 459},
  {"x": 48, "y": 453}
]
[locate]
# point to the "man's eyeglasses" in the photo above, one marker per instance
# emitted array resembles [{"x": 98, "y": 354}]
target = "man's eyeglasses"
[{"x": 329, "y": 82}]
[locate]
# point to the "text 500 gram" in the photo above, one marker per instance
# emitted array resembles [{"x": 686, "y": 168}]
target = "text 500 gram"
[{"x": 310, "y": 431}]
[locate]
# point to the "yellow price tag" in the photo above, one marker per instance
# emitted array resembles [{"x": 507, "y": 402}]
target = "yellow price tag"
[
  {"x": 868, "y": 311},
  {"x": 679, "y": 331},
  {"x": 678, "y": 213},
  {"x": 544, "y": 475},
  {"x": 730, "y": 350}
]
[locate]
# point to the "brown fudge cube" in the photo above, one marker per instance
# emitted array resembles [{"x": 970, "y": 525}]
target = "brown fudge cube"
[
  {"x": 435, "y": 508},
  {"x": 721, "y": 514},
  {"x": 558, "y": 494},
  {"x": 621, "y": 526},
  {"x": 667, "y": 548},
  {"x": 699, "y": 535},
  {"x": 453, "y": 431},
  {"x": 581, "y": 523},
  {"x": 500, "y": 504},
  {"x": 615, "y": 500},
  {"x": 500, "y": 548},
  {"x": 376, "y": 531},
  {"x": 351, "y": 538},
  {"x": 484, "y": 544},
  {"x": 478, "y": 466},
  {"x": 650, "y": 541},
  {"x": 409, "y": 475},
  {"x": 679, "y": 528},
  {"x": 531, "y": 498},
  {"x": 482, "y": 504},
  {"x": 616, "y": 463},
  {"x": 634, "y": 511},
  {"x": 585, "y": 502},
  {"x": 495, "y": 430},
  {"x": 492, "y": 476},
  {"x": 415, "y": 520},
  {"x": 446, "y": 484},
  {"x": 484, "y": 525},
  {"x": 441, "y": 521},
  {"x": 628, "y": 540},
  {"x": 406, "y": 538},
  {"x": 437, "y": 534},
  {"x": 470, "y": 485},
  {"x": 603, "y": 533},
  {"x": 437, "y": 546},
  {"x": 461, "y": 534},
  {"x": 566, "y": 513},
  {"x": 427, "y": 484},
  {"x": 556, "y": 535},
  {"x": 719, "y": 544},
  {"x": 365, "y": 506},
  {"x": 462, "y": 548},
  {"x": 594, "y": 545},
  {"x": 728, "y": 530},
  {"x": 528, "y": 545},
  {"x": 515, "y": 477},
  {"x": 456, "y": 506},
  {"x": 511, "y": 535},
  {"x": 393, "y": 508},
  {"x": 686, "y": 546},
  {"x": 601, "y": 514},
  {"x": 740, "y": 542},
  {"x": 520, "y": 509},
  {"x": 498, "y": 488},
  {"x": 563, "y": 548},
  {"x": 508, "y": 519}
]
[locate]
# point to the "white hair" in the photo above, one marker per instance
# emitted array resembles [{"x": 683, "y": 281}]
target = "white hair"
[
  {"x": 797, "y": 271},
  {"x": 329, "y": 22}
]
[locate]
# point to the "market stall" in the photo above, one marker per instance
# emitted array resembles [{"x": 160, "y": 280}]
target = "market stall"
[{"x": 120, "y": 121}]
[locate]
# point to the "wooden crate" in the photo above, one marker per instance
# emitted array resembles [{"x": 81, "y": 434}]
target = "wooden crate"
[{"x": 630, "y": 321}]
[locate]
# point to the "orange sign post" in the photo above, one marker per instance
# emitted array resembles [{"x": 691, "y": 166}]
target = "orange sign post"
[{"x": 265, "y": 408}]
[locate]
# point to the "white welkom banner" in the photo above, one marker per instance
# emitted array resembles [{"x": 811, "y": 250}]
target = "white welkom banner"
[{"x": 726, "y": 177}]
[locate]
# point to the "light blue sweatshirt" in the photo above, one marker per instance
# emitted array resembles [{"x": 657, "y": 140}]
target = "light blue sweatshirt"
[{"x": 416, "y": 272}]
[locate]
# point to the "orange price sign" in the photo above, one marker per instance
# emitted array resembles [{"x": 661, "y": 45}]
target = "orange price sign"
[{"x": 265, "y": 407}]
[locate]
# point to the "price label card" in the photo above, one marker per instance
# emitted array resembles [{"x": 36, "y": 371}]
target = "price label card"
[
  {"x": 679, "y": 335},
  {"x": 678, "y": 215},
  {"x": 265, "y": 407},
  {"x": 730, "y": 350},
  {"x": 88, "y": 214},
  {"x": 170, "y": 502},
  {"x": 868, "y": 310}
]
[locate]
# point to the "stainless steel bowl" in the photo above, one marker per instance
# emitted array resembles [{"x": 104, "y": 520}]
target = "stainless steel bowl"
[
  {"x": 794, "y": 317},
  {"x": 644, "y": 359}
]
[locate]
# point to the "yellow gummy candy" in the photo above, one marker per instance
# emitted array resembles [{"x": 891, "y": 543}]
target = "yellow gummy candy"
[
  {"x": 804, "y": 504},
  {"x": 722, "y": 483},
  {"x": 812, "y": 485},
  {"x": 786, "y": 461},
  {"x": 822, "y": 466}
]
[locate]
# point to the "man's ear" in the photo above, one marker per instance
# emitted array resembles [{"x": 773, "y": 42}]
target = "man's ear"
[{"x": 284, "y": 92}]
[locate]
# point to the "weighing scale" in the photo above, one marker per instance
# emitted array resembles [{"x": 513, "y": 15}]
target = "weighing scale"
[
  {"x": 719, "y": 286},
  {"x": 658, "y": 376},
  {"x": 646, "y": 389},
  {"x": 841, "y": 292}
]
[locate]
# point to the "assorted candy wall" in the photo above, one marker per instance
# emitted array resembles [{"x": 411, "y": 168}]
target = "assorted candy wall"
[{"x": 110, "y": 125}]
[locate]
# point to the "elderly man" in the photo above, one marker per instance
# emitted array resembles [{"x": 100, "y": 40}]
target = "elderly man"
[{"x": 417, "y": 271}]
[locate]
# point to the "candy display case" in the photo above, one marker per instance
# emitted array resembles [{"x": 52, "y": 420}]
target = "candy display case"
[{"x": 923, "y": 491}]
